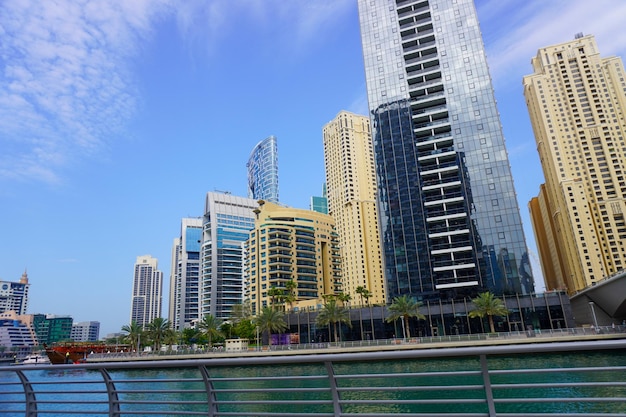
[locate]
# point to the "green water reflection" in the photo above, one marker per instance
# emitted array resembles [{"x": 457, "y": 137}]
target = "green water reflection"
[{"x": 363, "y": 386}]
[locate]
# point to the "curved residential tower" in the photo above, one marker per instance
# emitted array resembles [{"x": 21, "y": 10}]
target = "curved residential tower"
[{"x": 263, "y": 171}]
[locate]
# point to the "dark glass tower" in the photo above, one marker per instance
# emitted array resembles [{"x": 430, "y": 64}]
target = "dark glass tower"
[{"x": 449, "y": 216}]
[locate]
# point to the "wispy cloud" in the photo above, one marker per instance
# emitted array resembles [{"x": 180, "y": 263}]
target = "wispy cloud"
[
  {"x": 67, "y": 89},
  {"x": 516, "y": 33},
  {"x": 65, "y": 86},
  {"x": 298, "y": 23}
]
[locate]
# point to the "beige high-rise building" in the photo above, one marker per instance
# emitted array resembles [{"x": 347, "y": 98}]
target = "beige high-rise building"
[
  {"x": 290, "y": 246},
  {"x": 576, "y": 101},
  {"x": 351, "y": 191}
]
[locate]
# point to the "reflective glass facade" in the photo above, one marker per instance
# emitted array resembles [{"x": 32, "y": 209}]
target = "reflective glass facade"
[
  {"x": 449, "y": 216},
  {"x": 184, "y": 305},
  {"x": 263, "y": 171},
  {"x": 226, "y": 225}
]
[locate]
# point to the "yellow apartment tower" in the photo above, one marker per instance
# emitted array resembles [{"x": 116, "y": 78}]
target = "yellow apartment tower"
[
  {"x": 292, "y": 258},
  {"x": 351, "y": 191},
  {"x": 576, "y": 101}
]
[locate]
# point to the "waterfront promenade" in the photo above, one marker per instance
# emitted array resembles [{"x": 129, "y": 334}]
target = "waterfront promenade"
[
  {"x": 509, "y": 338},
  {"x": 547, "y": 377}
]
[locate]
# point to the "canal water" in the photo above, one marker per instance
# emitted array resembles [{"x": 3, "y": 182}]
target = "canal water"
[{"x": 361, "y": 401}]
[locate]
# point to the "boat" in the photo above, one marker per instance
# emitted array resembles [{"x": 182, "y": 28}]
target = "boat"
[
  {"x": 71, "y": 352},
  {"x": 35, "y": 359}
]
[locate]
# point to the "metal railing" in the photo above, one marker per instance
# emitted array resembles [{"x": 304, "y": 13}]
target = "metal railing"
[{"x": 534, "y": 379}]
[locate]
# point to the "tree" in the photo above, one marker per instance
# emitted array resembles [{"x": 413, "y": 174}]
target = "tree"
[
  {"x": 367, "y": 294},
  {"x": 360, "y": 290},
  {"x": 241, "y": 311},
  {"x": 290, "y": 293},
  {"x": 210, "y": 327},
  {"x": 270, "y": 320},
  {"x": 344, "y": 298},
  {"x": 332, "y": 314},
  {"x": 190, "y": 336},
  {"x": 157, "y": 329},
  {"x": 172, "y": 337},
  {"x": 404, "y": 307},
  {"x": 276, "y": 296},
  {"x": 245, "y": 329},
  {"x": 133, "y": 334},
  {"x": 488, "y": 305}
]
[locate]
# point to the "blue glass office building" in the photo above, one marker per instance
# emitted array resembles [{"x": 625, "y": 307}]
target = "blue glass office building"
[
  {"x": 449, "y": 216},
  {"x": 263, "y": 171},
  {"x": 184, "y": 306},
  {"x": 226, "y": 225}
]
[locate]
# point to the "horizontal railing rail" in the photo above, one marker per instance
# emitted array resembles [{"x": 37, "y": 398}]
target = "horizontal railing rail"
[{"x": 531, "y": 379}]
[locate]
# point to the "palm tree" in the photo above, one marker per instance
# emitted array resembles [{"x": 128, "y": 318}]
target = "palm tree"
[
  {"x": 276, "y": 296},
  {"x": 290, "y": 292},
  {"x": 270, "y": 320},
  {"x": 488, "y": 305},
  {"x": 133, "y": 334},
  {"x": 360, "y": 290},
  {"x": 344, "y": 298},
  {"x": 172, "y": 337},
  {"x": 210, "y": 326},
  {"x": 367, "y": 294},
  {"x": 157, "y": 329},
  {"x": 404, "y": 307},
  {"x": 332, "y": 314}
]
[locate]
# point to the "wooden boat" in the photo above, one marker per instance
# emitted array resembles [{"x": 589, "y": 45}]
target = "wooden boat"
[{"x": 62, "y": 353}]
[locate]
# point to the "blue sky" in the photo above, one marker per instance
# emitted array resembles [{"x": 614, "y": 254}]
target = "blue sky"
[{"x": 117, "y": 117}]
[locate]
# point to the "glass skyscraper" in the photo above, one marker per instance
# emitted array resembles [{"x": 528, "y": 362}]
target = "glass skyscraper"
[
  {"x": 226, "y": 225},
  {"x": 184, "y": 305},
  {"x": 263, "y": 171},
  {"x": 448, "y": 213}
]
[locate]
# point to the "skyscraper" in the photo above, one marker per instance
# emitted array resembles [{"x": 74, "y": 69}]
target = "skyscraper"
[
  {"x": 291, "y": 246},
  {"x": 147, "y": 291},
  {"x": 184, "y": 306},
  {"x": 448, "y": 212},
  {"x": 226, "y": 225},
  {"x": 577, "y": 105},
  {"x": 14, "y": 295},
  {"x": 351, "y": 188},
  {"x": 263, "y": 171},
  {"x": 320, "y": 203}
]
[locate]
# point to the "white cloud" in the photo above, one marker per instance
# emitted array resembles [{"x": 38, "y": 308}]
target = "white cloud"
[
  {"x": 514, "y": 31},
  {"x": 298, "y": 22},
  {"x": 65, "y": 88}
]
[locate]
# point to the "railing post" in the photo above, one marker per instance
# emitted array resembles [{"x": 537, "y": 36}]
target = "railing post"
[
  {"x": 29, "y": 393},
  {"x": 484, "y": 369},
  {"x": 210, "y": 392},
  {"x": 333, "y": 389},
  {"x": 114, "y": 400}
]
